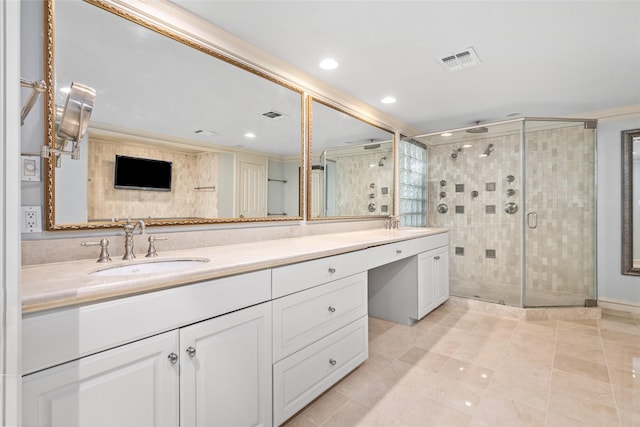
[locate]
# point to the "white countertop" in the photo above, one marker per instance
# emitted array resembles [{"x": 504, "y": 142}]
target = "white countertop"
[{"x": 47, "y": 286}]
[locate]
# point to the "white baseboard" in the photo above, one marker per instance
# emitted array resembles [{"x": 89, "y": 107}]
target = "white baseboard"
[{"x": 620, "y": 305}]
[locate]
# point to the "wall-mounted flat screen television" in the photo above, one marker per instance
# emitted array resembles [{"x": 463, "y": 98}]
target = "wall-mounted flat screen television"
[{"x": 135, "y": 173}]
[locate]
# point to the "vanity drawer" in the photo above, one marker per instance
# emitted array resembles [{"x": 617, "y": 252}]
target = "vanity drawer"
[
  {"x": 60, "y": 335},
  {"x": 304, "y": 317},
  {"x": 384, "y": 254},
  {"x": 304, "y": 275},
  {"x": 304, "y": 375}
]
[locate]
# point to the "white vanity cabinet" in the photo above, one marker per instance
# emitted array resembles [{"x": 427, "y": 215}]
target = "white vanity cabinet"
[
  {"x": 433, "y": 279},
  {"x": 245, "y": 350},
  {"x": 213, "y": 373},
  {"x": 320, "y": 328},
  {"x": 225, "y": 370},
  {"x": 190, "y": 368},
  {"x": 414, "y": 283},
  {"x": 132, "y": 385}
]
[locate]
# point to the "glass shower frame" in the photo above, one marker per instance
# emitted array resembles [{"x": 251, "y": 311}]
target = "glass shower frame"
[{"x": 526, "y": 290}]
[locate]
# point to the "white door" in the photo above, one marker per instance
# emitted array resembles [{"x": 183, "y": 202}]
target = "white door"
[
  {"x": 226, "y": 370},
  {"x": 252, "y": 185},
  {"x": 134, "y": 385},
  {"x": 317, "y": 193}
]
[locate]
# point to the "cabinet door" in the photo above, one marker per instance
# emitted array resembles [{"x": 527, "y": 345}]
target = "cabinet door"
[
  {"x": 427, "y": 271},
  {"x": 133, "y": 385},
  {"x": 226, "y": 370},
  {"x": 433, "y": 279},
  {"x": 442, "y": 279}
]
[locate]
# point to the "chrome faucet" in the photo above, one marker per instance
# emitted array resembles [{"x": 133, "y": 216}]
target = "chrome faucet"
[
  {"x": 129, "y": 229},
  {"x": 392, "y": 222}
]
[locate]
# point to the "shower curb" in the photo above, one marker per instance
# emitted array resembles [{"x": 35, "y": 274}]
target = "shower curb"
[{"x": 549, "y": 313}]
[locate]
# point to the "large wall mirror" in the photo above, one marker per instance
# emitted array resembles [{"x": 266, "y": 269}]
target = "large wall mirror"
[
  {"x": 230, "y": 136},
  {"x": 351, "y": 166},
  {"x": 631, "y": 202}
]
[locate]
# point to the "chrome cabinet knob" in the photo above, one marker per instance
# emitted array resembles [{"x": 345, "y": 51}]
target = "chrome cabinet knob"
[
  {"x": 437, "y": 257},
  {"x": 398, "y": 251},
  {"x": 332, "y": 362},
  {"x": 332, "y": 270},
  {"x": 173, "y": 358},
  {"x": 332, "y": 309},
  {"x": 191, "y": 351}
]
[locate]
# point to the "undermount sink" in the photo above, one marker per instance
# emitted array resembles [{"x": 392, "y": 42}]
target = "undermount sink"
[{"x": 147, "y": 267}]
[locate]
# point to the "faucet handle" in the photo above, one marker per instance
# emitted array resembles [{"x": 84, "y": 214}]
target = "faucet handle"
[
  {"x": 151, "y": 252},
  {"x": 104, "y": 252}
]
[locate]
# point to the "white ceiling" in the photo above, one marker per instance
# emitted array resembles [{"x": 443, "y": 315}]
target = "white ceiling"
[{"x": 553, "y": 58}]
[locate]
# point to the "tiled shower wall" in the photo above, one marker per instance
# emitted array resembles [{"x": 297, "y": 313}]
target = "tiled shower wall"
[
  {"x": 184, "y": 200},
  {"x": 485, "y": 240},
  {"x": 354, "y": 176},
  {"x": 561, "y": 251}
]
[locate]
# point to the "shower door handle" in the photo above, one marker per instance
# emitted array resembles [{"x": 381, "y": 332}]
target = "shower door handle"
[{"x": 532, "y": 220}]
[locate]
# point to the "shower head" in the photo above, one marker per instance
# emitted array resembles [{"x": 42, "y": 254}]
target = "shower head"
[
  {"x": 478, "y": 128},
  {"x": 487, "y": 151},
  {"x": 381, "y": 162}
]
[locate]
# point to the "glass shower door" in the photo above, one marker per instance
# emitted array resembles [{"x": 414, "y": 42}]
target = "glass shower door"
[{"x": 560, "y": 214}]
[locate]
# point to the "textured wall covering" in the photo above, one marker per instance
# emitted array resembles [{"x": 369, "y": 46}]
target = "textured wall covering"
[
  {"x": 354, "y": 175},
  {"x": 560, "y": 188},
  {"x": 188, "y": 172}
]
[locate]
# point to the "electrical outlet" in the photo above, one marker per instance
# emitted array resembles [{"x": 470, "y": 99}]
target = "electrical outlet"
[{"x": 31, "y": 219}]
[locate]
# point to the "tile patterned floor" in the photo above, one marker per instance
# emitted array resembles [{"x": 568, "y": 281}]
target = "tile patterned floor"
[{"x": 460, "y": 367}]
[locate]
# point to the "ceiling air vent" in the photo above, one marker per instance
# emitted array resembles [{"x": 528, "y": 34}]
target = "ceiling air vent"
[
  {"x": 273, "y": 115},
  {"x": 460, "y": 60}
]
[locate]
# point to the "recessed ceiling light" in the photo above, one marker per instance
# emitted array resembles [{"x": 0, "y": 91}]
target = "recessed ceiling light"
[
  {"x": 329, "y": 64},
  {"x": 249, "y": 135},
  {"x": 204, "y": 132},
  {"x": 446, "y": 134},
  {"x": 388, "y": 100},
  {"x": 467, "y": 146}
]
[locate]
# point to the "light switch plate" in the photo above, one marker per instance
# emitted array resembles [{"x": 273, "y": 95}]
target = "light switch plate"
[
  {"x": 31, "y": 219},
  {"x": 30, "y": 169}
]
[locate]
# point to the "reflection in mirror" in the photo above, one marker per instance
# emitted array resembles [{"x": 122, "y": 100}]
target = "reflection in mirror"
[
  {"x": 351, "y": 166},
  {"x": 232, "y": 136},
  {"x": 630, "y": 202}
]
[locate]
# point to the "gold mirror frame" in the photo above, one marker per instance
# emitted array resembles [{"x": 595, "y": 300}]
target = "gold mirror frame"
[
  {"x": 627, "y": 202},
  {"x": 50, "y": 112},
  {"x": 308, "y": 159}
]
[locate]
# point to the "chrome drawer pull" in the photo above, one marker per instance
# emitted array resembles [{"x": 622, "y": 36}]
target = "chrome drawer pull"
[
  {"x": 191, "y": 351},
  {"x": 398, "y": 251},
  {"x": 332, "y": 362},
  {"x": 332, "y": 270},
  {"x": 437, "y": 257},
  {"x": 332, "y": 309},
  {"x": 173, "y": 358}
]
